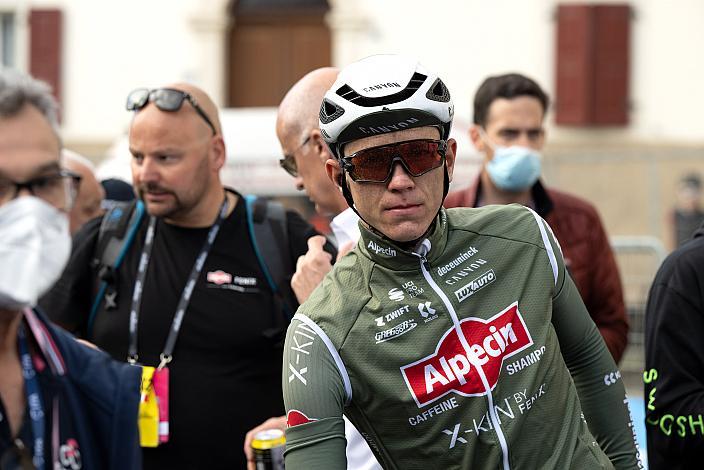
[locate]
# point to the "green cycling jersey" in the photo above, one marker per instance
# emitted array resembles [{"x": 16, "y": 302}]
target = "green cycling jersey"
[{"x": 473, "y": 351}]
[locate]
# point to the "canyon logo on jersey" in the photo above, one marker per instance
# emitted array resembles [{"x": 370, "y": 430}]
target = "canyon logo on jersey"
[{"x": 453, "y": 369}]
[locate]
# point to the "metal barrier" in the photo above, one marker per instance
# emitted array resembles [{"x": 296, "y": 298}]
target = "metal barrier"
[{"x": 638, "y": 259}]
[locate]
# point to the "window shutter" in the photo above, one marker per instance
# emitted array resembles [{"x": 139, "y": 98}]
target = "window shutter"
[
  {"x": 592, "y": 65},
  {"x": 45, "y": 47}
]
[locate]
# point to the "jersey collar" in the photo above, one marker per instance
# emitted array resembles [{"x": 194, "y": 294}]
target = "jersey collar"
[{"x": 389, "y": 254}]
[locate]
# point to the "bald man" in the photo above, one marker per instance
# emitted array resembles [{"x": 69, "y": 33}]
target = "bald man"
[
  {"x": 225, "y": 365},
  {"x": 305, "y": 153},
  {"x": 90, "y": 194}
]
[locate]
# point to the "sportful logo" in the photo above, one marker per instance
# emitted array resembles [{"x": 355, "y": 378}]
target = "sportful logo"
[
  {"x": 474, "y": 285},
  {"x": 378, "y": 249},
  {"x": 452, "y": 369},
  {"x": 396, "y": 294}
]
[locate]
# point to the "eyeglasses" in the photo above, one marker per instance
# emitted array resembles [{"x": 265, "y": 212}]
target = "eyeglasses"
[
  {"x": 375, "y": 164},
  {"x": 166, "y": 99},
  {"x": 58, "y": 189},
  {"x": 288, "y": 163}
]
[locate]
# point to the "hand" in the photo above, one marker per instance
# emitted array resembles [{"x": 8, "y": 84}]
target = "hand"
[
  {"x": 271, "y": 423},
  {"x": 311, "y": 268}
]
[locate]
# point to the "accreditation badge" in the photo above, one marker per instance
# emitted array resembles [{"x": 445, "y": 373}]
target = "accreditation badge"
[
  {"x": 148, "y": 410},
  {"x": 161, "y": 390}
]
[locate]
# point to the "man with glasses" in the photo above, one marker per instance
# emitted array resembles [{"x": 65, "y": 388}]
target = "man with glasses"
[
  {"x": 189, "y": 297},
  {"x": 450, "y": 339},
  {"x": 296, "y": 121},
  {"x": 62, "y": 404},
  {"x": 509, "y": 114}
]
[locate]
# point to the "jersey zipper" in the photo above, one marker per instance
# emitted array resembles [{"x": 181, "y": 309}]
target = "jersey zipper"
[{"x": 423, "y": 250}]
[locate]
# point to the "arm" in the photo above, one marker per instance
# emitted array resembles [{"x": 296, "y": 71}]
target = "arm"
[
  {"x": 314, "y": 395},
  {"x": 674, "y": 371},
  {"x": 590, "y": 363},
  {"x": 605, "y": 302}
]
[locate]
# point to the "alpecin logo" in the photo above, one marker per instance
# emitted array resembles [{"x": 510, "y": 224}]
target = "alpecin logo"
[
  {"x": 452, "y": 369},
  {"x": 378, "y": 249}
]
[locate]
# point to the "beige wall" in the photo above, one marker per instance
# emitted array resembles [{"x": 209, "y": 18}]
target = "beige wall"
[{"x": 633, "y": 186}]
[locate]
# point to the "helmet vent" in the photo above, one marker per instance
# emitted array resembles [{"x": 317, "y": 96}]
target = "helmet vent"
[
  {"x": 329, "y": 111},
  {"x": 349, "y": 94},
  {"x": 438, "y": 92}
]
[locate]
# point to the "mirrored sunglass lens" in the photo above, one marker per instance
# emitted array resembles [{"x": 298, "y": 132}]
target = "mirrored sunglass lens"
[
  {"x": 374, "y": 164},
  {"x": 167, "y": 100},
  {"x": 137, "y": 99},
  {"x": 421, "y": 157}
]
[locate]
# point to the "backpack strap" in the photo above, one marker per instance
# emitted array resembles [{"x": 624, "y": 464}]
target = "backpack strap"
[
  {"x": 266, "y": 222},
  {"x": 117, "y": 231}
]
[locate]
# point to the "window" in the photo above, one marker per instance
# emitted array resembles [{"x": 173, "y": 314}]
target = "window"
[
  {"x": 7, "y": 39},
  {"x": 593, "y": 57}
]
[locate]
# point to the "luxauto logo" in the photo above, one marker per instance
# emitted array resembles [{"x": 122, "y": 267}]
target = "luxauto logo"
[
  {"x": 378, "y": 249},
  {"x": 452, "y": 369},
  {"x": 474, "y": 285}
]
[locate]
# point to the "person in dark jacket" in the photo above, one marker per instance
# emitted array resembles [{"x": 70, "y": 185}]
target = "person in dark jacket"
[
  {"x": 509, "y": 111},
  {"x": 63, "y": 405},
  {"x": 674, "y": 360}
]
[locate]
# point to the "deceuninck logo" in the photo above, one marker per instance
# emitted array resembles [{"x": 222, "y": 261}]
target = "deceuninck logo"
[{"x": 453, "y": 369}]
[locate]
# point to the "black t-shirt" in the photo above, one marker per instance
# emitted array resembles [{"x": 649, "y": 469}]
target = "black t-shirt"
[{"x": 225, "y": 377}]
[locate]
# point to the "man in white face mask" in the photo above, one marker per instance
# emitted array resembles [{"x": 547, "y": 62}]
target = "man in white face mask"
[
  {"x": 509, "y": 113},
  {"x": 45, "y": 373}
]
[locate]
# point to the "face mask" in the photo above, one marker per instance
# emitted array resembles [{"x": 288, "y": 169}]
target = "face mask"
[
  {"x": 34, "y": 247},
  {"x": 514, "y": 168}
]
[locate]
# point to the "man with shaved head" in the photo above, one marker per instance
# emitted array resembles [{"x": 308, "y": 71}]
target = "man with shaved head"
[
  {"x": 305, "y": 153},
  {"x": 190, "y": 296},
  {"x": 90, "y": 192}
]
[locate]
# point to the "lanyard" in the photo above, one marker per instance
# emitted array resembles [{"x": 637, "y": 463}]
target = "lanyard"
[
  {"x": 185, "y": 295},
  {"x": 34, "y": 400}
]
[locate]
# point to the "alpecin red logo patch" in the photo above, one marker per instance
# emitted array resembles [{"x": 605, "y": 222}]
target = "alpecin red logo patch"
[
  {"x": 295, "y": 417},
  {"x": 452, "y": 369}
]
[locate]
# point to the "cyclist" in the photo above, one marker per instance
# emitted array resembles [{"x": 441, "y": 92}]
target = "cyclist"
[{"x": 450, "y": 338}]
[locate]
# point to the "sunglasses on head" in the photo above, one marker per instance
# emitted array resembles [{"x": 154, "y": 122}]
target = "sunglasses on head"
[
  {"x": 166, "y": 99},
  {"x": 375, "y": 164}
]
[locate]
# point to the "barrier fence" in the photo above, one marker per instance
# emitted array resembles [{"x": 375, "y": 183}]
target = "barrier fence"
[{"x": 638, "y": 259}]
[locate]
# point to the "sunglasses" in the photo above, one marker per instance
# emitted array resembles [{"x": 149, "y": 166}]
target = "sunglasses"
[
  {"x": 375, "y": 164},
  {"x": 288, "y": 163},
  {"x": 166, "y": 99}
]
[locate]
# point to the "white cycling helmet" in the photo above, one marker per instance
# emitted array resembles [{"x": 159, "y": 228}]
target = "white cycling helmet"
[{"x": 381, "y": 94}]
